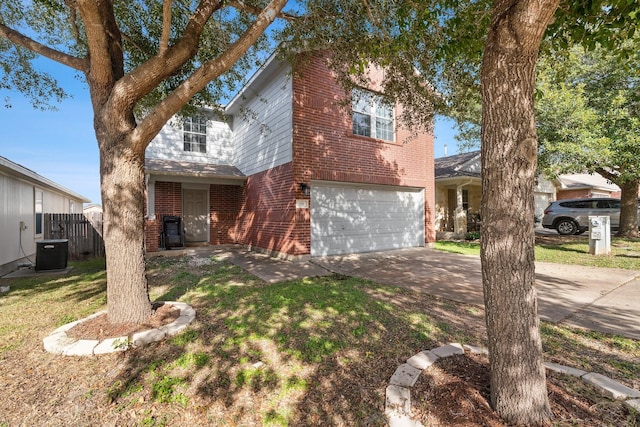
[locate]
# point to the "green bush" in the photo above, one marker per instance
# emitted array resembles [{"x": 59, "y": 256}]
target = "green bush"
[{"x": 473, "y": 235}]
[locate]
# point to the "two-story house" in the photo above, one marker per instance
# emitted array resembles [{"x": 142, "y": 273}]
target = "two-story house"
[{"x": 295, "y": 170}]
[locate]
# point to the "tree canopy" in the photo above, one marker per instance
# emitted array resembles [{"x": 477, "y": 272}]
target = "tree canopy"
[{"x": 588, "y": 119}]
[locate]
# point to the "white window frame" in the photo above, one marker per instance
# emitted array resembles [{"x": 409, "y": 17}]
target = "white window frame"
[
  {"x": 367, "y": 104},
  {"x": 38, "y": 209},
  {"x": 194, "y": 134}
]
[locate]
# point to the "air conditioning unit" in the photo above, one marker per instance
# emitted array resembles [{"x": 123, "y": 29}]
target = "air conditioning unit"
[{"x": 52, "y": 254}]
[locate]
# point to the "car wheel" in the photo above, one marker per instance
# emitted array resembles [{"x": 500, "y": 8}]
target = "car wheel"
[{"x": 566, "y": 227}]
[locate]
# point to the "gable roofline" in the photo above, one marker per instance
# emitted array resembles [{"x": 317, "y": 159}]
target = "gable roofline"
[
  {"x": 456, "y": 165},
  {"x": 267, "y": 66},
  {"x": 582, "y": 181},
  {"x": 19, "y": 171}
]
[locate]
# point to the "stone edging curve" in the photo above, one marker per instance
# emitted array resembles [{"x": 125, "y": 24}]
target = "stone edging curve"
[
  {"x": 398, "y": 393},
  {"x": 58, "y": 342}
]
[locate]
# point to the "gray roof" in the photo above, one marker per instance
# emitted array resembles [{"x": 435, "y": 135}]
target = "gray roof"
[
  {"x": 200, "y": 170},
  {"x": 454, "y": 166}
]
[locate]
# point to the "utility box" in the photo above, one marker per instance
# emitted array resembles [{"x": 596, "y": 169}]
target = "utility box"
[
  {"x": 52, "y": 254},
  {"x": 599, "y": 235}
]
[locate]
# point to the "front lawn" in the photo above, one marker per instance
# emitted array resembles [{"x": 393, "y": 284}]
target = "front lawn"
[
  {"x": 625, "y": 253},
  {"x": 306, "y": 353}
]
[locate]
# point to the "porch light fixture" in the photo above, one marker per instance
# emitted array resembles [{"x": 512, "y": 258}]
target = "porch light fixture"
[{"x": 305, "y": 188}]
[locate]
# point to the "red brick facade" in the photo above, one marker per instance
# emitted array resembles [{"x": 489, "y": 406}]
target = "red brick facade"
[
  {"x": 324, "y": 147},
  {"x": 168, "y": 201},
  {"x": 224, "y": 202},
  {"x": 263, "y": 213},
  {"x": 268, "y": 217}
]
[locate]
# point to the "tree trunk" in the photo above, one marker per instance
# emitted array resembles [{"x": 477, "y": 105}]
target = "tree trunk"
[
  {"x": 122, "y": 187},
  {"x": 509, "y": 158},
  {"x": 629, "y": 209}
]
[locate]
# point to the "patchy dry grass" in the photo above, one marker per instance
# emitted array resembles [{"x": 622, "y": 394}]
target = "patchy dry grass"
[{"x": 310, "y": 352}]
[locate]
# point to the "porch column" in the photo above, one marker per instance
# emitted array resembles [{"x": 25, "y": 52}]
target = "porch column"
[
  {"x": 460, "y": 216},
  {"x": 151, "y": 198}
]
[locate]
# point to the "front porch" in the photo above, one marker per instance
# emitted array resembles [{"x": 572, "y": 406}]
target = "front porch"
[{"x": 457, "y": 207}]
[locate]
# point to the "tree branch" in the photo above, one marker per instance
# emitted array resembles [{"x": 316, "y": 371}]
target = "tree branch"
[
  {"x": 71, "y": 4},
  {"x": 608, "y": 174},
  {"x": 210, "y": 70},
  {"x": 166, "y": 27},
  {"x": 80, "y": 64},
  {"x": 142, "y": 80},
  {"x": 130, "y": 39},
  {"x": 238, "y": 4},
  {"x": 104, "y": 43}
]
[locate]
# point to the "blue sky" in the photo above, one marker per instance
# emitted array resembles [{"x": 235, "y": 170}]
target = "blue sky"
[{"x": 61, "y": 146}]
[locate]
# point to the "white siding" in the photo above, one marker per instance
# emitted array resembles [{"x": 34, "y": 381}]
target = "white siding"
[
  {"x": 351, "y": 220},
  {"x": 262, "y": 130},
  {"x": 17, "y": 204},
  {"x": 168, "y": 144}
]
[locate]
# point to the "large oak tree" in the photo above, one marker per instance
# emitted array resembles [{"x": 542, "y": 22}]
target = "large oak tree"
[
  {"x": 146, "y": 57},
  {"x": 458, "y": 47},
  {"x": 509, "y": 158}
]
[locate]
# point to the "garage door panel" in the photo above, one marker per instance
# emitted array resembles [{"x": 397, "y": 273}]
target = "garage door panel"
[
  {"x": 361, "y": 227},
  {"x": 352, "y": 220}
]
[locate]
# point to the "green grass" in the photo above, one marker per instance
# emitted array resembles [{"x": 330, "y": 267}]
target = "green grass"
[
  {"x": 283, "y": 347},
  {"x": 625, "y": 253},
  {"x": 50, "y": 301},
  {"x": 619, "y": 356},
  {"x": 463, "y": 248}
]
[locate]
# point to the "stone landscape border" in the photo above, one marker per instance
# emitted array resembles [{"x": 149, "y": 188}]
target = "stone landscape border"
[
  {"x": 398, "y": 393},
  {"x": 58, "y": 342}
]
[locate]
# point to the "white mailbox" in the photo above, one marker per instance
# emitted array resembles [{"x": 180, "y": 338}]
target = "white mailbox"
[{"x": 599, "y": 235}]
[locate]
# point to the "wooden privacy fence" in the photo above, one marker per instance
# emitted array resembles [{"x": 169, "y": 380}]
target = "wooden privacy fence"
[{"x": 84, "y": 233}]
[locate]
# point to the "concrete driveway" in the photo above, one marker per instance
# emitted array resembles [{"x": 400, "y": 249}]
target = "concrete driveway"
[{"x": 606, "y": 300}]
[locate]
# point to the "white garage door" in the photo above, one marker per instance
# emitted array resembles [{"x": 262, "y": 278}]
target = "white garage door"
[{"x": 348, "y": 220}]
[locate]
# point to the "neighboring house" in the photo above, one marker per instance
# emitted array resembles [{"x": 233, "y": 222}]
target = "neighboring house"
[
  {"x": 584, "y": 185},
  {"x": 293, "y": 170},
  {"x": 24, "y": 197},
  {"x": 92, "y": 209},
  {"x": 459, "y": 193},
  {"x": 93, "y": 213}
]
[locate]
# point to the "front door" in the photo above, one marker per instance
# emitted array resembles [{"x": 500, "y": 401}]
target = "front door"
[{"x": 195, "y": 216}]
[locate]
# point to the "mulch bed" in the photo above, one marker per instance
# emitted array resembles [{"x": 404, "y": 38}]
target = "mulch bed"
[
  {"x": 100, "y": 329},
  {"x": 455, "y": 392}
]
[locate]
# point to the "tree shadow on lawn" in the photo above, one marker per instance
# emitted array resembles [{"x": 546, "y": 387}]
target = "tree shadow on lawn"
[
  {"x": 86, "y": 280},
  {"x": 311, "y": 352},
  {"x": 561, "y": 248}
]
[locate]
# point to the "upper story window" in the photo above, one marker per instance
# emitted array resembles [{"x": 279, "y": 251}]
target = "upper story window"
[
  {"x": 194, "y": 131},
  {"x": 372, "y": 115}
]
